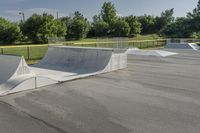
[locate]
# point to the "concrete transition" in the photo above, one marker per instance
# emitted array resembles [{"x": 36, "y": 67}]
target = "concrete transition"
[
  {"x": 192, "y": 46},
  {"x": 157, "y": 53},
  {"x": 59, "y": 64}
]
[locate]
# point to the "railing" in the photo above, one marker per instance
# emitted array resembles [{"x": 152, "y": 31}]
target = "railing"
[{"x": 37, "y": 52}]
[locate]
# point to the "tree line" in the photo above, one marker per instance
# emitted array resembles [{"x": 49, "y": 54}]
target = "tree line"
[{"x": 38, "y": 28}]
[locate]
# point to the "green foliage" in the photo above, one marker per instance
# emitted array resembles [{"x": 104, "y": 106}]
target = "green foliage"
[
  {"x": 76, "y": 27},
  {"x": 38, "y": 28},
  {"x": 194, "y": 18},
  {"x": 195, "y": 35},
  {"x": 196, "y": 12},
  {"x": 99, "y": 27},
  {"x": 67, "y": 21},
  {"x": 148, "y": 24},
  {"x": 185, "y": 27},
  {"x": 108, "y": 13},
  {"x": 179, "y": 29},
  {"x": 120, "y": 28},
  {"x": 9, "y": 32},
  {"x": 135, "y": 26},
  {"x": 166, "y": 19}
]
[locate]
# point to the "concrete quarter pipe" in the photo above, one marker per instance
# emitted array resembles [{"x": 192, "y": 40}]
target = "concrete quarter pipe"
[{"x": 59, "y": 64}]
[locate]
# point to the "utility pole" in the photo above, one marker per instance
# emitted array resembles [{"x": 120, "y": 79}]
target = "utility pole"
[{"x": 23, "y": 16}]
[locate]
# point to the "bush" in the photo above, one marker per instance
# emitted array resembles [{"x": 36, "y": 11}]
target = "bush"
[{"x": 120, "y": 28}]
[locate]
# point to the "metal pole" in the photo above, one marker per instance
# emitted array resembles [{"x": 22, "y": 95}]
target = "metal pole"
[
  {"x": 28, "y": 52},
  {"x": 1, "y": 50},
  {"x": 23, "y": 16}
]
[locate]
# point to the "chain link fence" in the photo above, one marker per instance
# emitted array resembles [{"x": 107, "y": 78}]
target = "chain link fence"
[
  {"x": 37, "y": 52},
  {"x": 183, "y": 40}
]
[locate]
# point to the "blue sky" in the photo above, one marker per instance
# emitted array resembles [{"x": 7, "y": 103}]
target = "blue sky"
[{"x": 10, "y": 8}]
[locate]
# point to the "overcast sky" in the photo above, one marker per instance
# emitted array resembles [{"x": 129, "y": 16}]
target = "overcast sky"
[{"x": 10, "y": 8}]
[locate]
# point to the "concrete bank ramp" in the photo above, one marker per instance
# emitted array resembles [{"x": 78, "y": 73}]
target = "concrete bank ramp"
[
  {"x": 191, "y": 46},
  {"x": 59, "y": 64},
  {"x": 157, "y": 53},
  {"x": 66, "y": 63},
  {"x": 13, "y": 72}
]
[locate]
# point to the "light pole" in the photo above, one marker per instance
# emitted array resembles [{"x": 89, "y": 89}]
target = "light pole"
[
  {"x": 57, "y": 15},
  {"x": 23, "y": 16}
]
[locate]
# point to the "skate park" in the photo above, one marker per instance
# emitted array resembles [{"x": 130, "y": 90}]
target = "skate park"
[
  {"x": 99, "y": 66},
  {"x": 96, "y": 94},
  {"x": 68, "y": 63}
]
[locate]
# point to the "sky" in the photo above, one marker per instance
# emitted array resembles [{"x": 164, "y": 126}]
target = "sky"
[{"x": 10, "y": 8}]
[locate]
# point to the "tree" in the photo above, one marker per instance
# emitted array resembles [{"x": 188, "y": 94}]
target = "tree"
[
  {"x": 180, "y": 28},
  {"x": 120, "y": 28},
  {"x": 38, "y": 28},
  {"x": 67, "y": 21},
  {"x": 148, "y": 24},
  {"x": 9, "y": 32},
  {"x": 99, "y": 27},
  {"x": 79, "y": 26},
  {"x": 108, "y": 13},
  {"x": 135, "y": 26},
  {"x": 196, "y": 11},
  {"x": 195, "y": 18},
  {"x": 165, "y": 19}
]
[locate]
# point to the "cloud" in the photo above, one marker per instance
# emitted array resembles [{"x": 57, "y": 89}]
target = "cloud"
[
  {"x": 11, "y": 1},
  {"x": 14, "y": 14}
]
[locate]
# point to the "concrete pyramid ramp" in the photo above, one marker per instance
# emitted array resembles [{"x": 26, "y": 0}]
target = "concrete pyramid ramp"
[
  {"x": 157, "y": 53},
  {"x": 13, "y": 72},
  {"x": 66, "y": 63},
  {"x": 191, "y": 46}
]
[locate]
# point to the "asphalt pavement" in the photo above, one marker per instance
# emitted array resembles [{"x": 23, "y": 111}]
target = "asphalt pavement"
[{"x": 153, "y": 95}]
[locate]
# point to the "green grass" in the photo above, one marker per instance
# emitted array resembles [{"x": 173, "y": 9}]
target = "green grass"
[{"x": 29, "y": 52}]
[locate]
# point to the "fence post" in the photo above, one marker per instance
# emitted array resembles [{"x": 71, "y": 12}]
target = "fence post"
[
  {"x": 157, "y": 44},
  {"x": 2, "y": 51},
  {"x": 147, "y": 44},
  {"x": 28, "y": 52}
]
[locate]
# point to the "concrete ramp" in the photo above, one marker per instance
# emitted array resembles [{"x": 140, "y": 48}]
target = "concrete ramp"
[
  {"x": 191, "y": 46},
  {"x": 59, "y": 64},
  {"x": 67, "y": 63},
  {"x": 13, "y": 71}
]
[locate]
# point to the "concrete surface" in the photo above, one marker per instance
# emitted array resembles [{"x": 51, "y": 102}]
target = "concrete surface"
[{"x": 153, "y": 95}]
